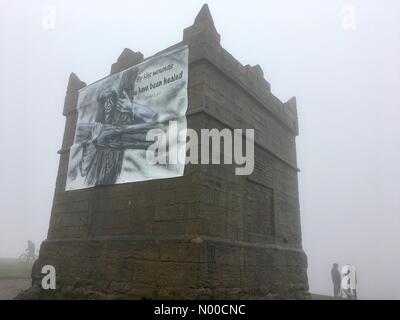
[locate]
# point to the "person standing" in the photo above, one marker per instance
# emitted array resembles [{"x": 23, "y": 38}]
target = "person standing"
[
  {"x": 349, "y": 282},
  {"x": 353, "y": 282},
  {"x": 335, "y": 274},
  {"x": 345, "y": 283}
]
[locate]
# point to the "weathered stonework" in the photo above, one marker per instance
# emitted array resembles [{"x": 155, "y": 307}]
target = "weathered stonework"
[{"x": 208, "y": 234}]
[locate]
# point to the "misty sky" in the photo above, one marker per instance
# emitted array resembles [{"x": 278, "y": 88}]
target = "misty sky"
[{"x": 344, "y": 72}]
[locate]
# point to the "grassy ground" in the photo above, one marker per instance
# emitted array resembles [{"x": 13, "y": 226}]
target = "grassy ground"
[
  {"x": 12, "y": 268},
  {"x": 14, "y": 277}
]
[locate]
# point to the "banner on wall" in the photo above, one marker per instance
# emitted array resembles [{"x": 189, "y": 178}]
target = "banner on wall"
[{"x": 115, "y": 116}]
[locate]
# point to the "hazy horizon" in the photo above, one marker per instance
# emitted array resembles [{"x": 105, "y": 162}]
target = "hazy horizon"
[{"x": 340, "y": 59}]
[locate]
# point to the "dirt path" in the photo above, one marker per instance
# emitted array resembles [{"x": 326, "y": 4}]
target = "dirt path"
[{"x": 9, "y": 288}]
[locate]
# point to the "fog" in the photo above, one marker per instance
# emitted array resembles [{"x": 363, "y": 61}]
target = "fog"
[{"x": 339, "y": 58}]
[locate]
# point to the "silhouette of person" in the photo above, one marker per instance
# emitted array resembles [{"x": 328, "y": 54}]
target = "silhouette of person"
[
  {"x": 336, "y": 280},
  {"x": 31, "y": 250}
]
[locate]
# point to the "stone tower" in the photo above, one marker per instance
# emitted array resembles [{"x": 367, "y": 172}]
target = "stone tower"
[{"x": 208, "y": 234}]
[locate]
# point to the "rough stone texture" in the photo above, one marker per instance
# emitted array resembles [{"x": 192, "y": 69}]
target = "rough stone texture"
[
  {"x": 127, "y": 59},
  {"x": 208, "y": 234}
]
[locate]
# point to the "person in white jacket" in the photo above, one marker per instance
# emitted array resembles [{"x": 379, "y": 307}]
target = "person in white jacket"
[{"x": 349, "y": 282}]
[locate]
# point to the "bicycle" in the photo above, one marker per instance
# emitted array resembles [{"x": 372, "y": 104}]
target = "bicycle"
[{"x": 26, "y": 258}]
